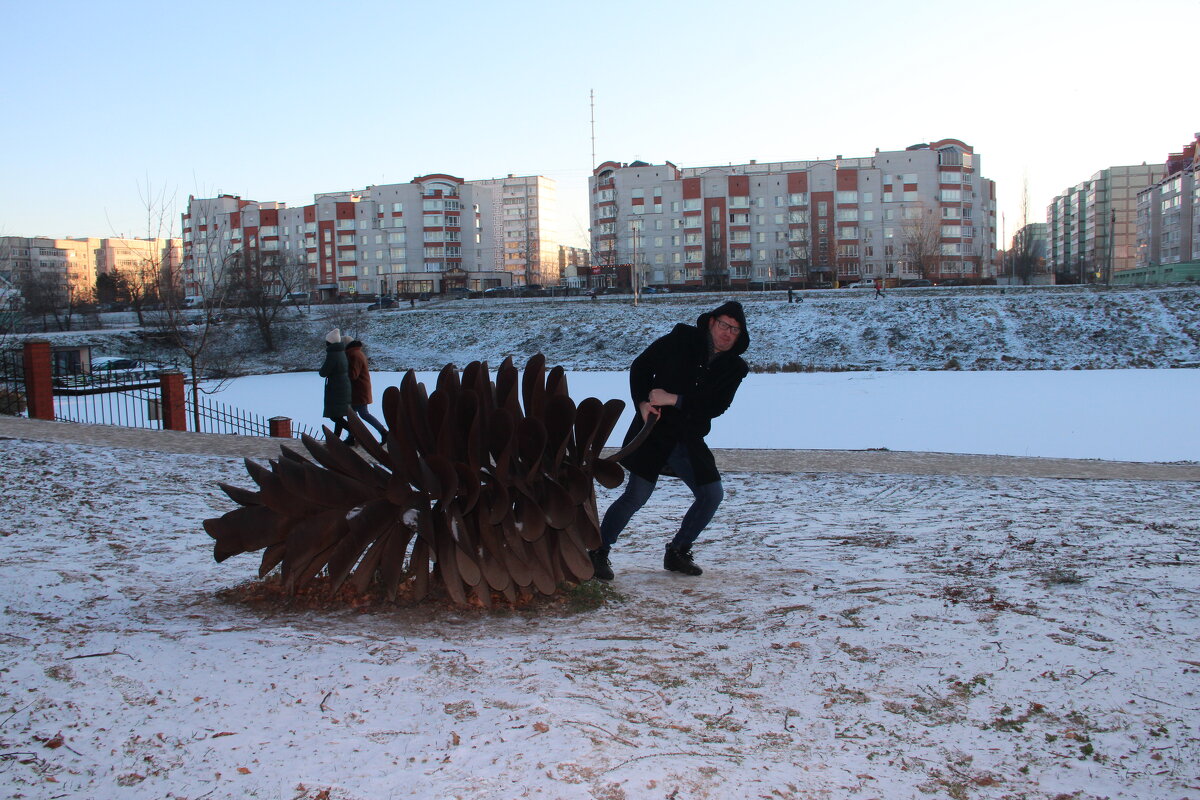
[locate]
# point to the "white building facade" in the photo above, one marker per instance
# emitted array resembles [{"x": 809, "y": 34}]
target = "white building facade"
[
  {"x": 434, "y": 234},
  {"x": 922, "y": 212}
]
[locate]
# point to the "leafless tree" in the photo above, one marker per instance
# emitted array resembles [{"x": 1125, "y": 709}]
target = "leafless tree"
[
  {"x": 49, "y": 296},
  {"x": 1024, "y": 256},
  {"x": 199, "y": 335},
  {"x": 716, "y": 267},
  {"x": 920, "y": 241},
  {"x": 259, "y": 286}
]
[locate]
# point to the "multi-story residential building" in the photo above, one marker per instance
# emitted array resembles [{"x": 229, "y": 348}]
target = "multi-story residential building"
[
  {"x": 1093, "y": 225},
  {"x": 526, "y": 235},
  {"x": 433, "y": 234},
  {"x": 65, "y": 267},
  {"x": 922, "y": 212},
  {"x": 1168, "y": 224},
  {"x": 143, "y": 258},
  {"x": 574, "y": 265}
]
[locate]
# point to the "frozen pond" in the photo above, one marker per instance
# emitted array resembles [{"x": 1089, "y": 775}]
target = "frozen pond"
[{"x": 1119, "y": 415}]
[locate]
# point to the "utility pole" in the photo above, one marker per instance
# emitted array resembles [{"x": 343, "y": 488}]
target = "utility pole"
[{"x": 1112, "y": 235}]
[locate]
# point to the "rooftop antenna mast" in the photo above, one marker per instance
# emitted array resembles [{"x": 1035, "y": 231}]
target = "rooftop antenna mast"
[{"x": 592, "y": 102}]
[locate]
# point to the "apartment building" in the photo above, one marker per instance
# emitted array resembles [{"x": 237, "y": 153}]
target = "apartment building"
[
  {"x": 434, "y": 234},
  {"x": 1168, "y": 224},
  {"x": 66, "y": 267},
  {"x": 1092, "y": 226},
  {"x": 922, "y": 212},
  {"x": 526, "y": 235},
  {"x": 422, "y": 236},
  {"x": 143, "y": 258},
  {"x": 574, "y": 265}
]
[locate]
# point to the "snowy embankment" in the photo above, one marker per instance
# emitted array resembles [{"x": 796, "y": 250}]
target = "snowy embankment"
[
  {"x": 852, "y": 637},
  {"x": 910, "y": 329}
]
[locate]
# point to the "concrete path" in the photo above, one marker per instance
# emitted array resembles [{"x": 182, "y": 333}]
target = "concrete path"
[{"x": 878, "y": 462}]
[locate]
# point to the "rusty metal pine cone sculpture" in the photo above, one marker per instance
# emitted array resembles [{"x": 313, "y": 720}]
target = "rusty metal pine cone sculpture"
[{"x": 471, "y": 490}]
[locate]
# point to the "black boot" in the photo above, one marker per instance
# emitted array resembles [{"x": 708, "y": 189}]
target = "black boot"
[
  {"x": 680, "y": 560},
  {"x": 600, "y": 564}
]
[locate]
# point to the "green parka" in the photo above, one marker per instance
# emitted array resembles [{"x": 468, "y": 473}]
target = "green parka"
[{"x": 336, "y": 372}]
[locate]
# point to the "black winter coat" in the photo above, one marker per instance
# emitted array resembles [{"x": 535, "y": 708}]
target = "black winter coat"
[
  {"x": 679, "y": 363},
  {"x": 336, "y": 372}
]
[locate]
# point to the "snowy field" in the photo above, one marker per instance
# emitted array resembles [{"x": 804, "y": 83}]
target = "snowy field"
[
  {"x": 853, "y": 637},
  {"x": 1116, "y": 415}
]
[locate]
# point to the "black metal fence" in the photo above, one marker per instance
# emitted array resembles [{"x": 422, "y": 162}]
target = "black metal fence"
[
  {"x": 134, "y": 399},
  {"x": 216, "y": 417},
  {"x": 12, "y": 383}
]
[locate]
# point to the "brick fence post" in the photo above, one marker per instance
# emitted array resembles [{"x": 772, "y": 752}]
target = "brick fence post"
[
  {"x": 174, "y": 416},
  {"x": 281, "y": 427},
  {"x": 39, "y": 392}
]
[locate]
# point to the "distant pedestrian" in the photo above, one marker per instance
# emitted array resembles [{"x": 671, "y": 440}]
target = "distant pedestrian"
[
  {"x": 360, "y": 388},
  {"x": 336, "y": 372},
  {"x": 790, "y": 294},
  {"x": 878, "y": 287}
]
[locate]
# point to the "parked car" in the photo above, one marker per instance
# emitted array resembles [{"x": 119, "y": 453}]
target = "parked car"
[
  {"x": 382, "y": 303},
  {"x": 498, "y": 291},
  {"x": 918, "y": 282},
  {"x": 862, "y": 285},
  {"x": 457, "y": 292}
]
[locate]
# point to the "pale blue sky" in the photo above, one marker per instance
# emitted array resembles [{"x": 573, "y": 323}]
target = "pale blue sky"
[{"x": 278, "y": 101}]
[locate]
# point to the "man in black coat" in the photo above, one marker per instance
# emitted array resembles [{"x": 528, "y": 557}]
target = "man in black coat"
[{"x": 686, "y": 379}]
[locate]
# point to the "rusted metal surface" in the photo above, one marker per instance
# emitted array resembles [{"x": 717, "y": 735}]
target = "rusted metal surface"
[{"x": 479, "y": 487}]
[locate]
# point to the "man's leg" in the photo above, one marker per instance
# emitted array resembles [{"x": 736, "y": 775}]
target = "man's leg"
[
  {"x": 706, "y": 499},
  {"x": 637, "y": 492}
]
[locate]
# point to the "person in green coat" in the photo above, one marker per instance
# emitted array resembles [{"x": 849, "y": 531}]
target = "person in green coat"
[{"x": 336, "y": 372}]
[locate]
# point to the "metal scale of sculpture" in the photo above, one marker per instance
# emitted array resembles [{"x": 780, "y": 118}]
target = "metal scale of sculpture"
[{"x": 471, "y": 491}]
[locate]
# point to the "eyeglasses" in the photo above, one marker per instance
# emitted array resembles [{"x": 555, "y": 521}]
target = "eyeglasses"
[{"x": 725, "y": 326}]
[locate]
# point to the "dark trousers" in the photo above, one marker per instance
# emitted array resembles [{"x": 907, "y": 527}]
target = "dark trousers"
[
  {"x": 638, "y": 490},
  {"x": 339, "y": 423}
]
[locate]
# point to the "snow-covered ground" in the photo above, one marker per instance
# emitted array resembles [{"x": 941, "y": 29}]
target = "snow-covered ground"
[
  {"x": 852, "y": 637},
  {"x": 1116, "y": 415}
]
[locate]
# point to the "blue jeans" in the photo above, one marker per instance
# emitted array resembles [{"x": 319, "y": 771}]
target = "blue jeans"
[
  {"x": 363, "y": 414},
  {"x": 707, "y": 497},
  {"x": 369, "y": 418}
]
